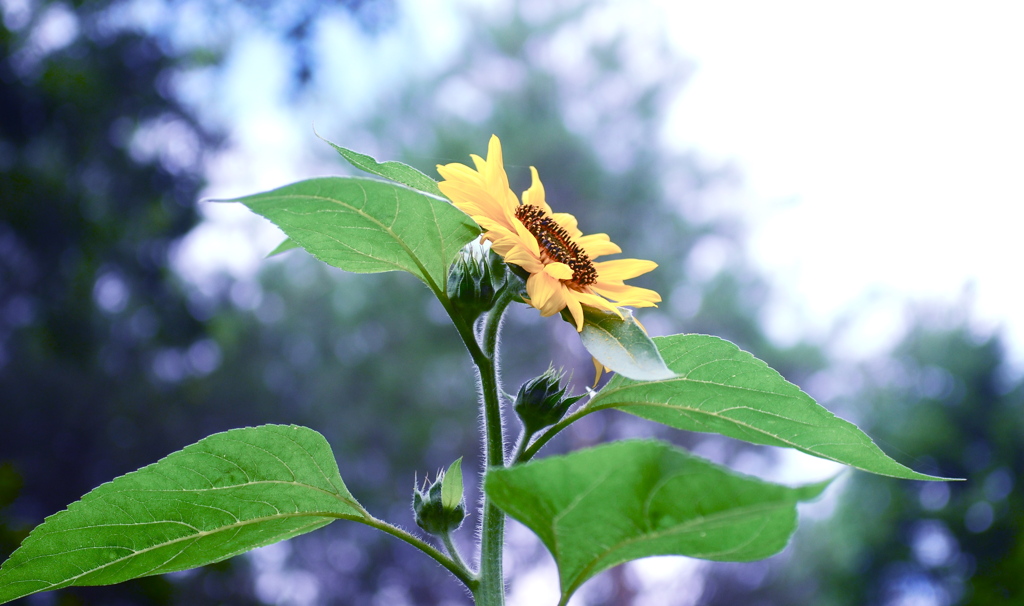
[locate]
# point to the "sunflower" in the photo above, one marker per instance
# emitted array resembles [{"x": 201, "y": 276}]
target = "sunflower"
[{"x": 548, "y": 245}]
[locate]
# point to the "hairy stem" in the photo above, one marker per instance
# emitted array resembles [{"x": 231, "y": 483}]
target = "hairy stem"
[
  {"x": 491, "y": 591},
  {"x": 453, "y": 551},
  {"x": 453, "y": 564},
  {"x": 539, "y": 443}
]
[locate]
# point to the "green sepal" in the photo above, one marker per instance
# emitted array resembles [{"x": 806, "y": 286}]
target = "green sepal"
[{"x": 451, "y": 488}]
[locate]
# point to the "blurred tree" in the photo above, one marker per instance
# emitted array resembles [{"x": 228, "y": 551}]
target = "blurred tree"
[
  {"x": 102, "y": 361},
  {"x": 92, "y": 200},
  {"x": 108, "y": 362}
]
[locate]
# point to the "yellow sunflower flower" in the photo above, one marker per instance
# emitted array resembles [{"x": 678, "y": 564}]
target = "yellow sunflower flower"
[{"x": 548, "y": 245}]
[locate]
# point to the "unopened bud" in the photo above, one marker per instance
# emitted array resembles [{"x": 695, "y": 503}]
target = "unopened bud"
[
  {"x": 474, "y": 281},
  {"x": 439, "y": 508},
  {"x": 542, "y": 401}
]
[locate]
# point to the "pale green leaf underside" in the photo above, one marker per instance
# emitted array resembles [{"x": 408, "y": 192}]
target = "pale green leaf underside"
[
  {"x": 622, "y": 345},
  {"x": 722, "y": 389},
  {"x": 224, "y": 495},
  {"x": 395, "y": 171},
  {"x": 368, "y": 226},
  {"x": 603, "y": 506}
]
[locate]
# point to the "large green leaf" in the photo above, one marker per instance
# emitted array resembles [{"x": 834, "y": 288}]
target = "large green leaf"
[
  {"x": 621, "y": 344},
  {"x": 720, "y": 388},
  {"x": 222, "y": 496},
  {"x": 395, "y": 171},
  {"x": 369, "y": 226},
  {"x": 600, "y": 507}
]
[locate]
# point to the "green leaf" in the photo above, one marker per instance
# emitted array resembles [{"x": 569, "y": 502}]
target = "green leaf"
[
  {"x": 285, "y": 246},
  {"x": 720, "y": 388},
  {"x": 451, "y": 486},
  {"x": 368, "y": 226},
  {"x": 395, "y": 171},
  {"x": 603, "y": 506},
  {"x": 622, "y": 345},
  {"x": 224, "y": 495}
]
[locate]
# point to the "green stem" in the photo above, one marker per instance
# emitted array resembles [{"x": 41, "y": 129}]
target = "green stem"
[
  {"x": 491, "y": 591},
  {"x": 524, "y": 439},
  {"x": 489, "y": 585},
  {"x": 550, "y": 433},
  {"x": 465, "y": 330},
  {"x": 453, "y": 551},
  {"x": 453, "y": 564}
]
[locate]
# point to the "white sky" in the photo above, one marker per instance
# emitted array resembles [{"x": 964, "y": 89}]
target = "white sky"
[{"x": 882, "y": 145}]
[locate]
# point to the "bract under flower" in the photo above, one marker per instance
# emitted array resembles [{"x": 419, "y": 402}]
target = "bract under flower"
[{"x": 548, "y": 245}]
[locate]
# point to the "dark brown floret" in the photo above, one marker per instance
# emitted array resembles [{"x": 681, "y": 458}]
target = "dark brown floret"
[{"x": 553, "y": 238}]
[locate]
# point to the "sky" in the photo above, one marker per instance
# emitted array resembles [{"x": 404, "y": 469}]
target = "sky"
[{"x": 882, "y": 150}]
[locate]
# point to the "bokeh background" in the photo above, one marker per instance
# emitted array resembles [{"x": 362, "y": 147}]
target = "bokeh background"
[{"x": 837, "y": 190}]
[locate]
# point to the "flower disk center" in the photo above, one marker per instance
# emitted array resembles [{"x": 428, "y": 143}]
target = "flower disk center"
[{"x": 553, "y": 238}]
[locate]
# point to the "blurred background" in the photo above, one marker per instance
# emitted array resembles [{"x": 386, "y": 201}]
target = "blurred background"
[{"x": 836, "y": 190}]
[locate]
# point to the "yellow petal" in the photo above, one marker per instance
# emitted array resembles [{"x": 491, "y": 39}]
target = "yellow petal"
[
  {"x": 535, "y": 195},
  {"x": 517, "y": 255},
  {"x": 599, "y": 370},
  {"x": 596, "y": 245},
  {"x": 494, "y": 175},
  {"x": 558, "y": 271},
  {"x": 545, "y": 293},
  {"x": 623, "y": 269},
  {"x": 573, "y": 304},
  {"x": 623, "y": 292},
  {"x": 528, "y": 239},
  {"x": 459, "y": 172},
  {"x": 598, "y": 302}
]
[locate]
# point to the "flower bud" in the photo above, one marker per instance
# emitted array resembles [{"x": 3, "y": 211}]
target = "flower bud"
[
  {"x": 542, "y": 401},
  {"x": 475, "y": 279},
  {"x": 439, "y": 508}
]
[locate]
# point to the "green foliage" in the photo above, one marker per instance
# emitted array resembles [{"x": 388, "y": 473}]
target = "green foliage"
[
  {"x": 226, "y": 494},
  {"x": 718, "y": 388},
  {"x": 367, "y": 226},
  {"x": 391, "y": 170},
  {"x": 603, "y": 506},
  {"x": 622, "y": 345}
]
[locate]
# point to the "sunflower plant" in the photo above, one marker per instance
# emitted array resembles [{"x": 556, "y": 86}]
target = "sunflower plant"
[{"x": 479, "y": 248}]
